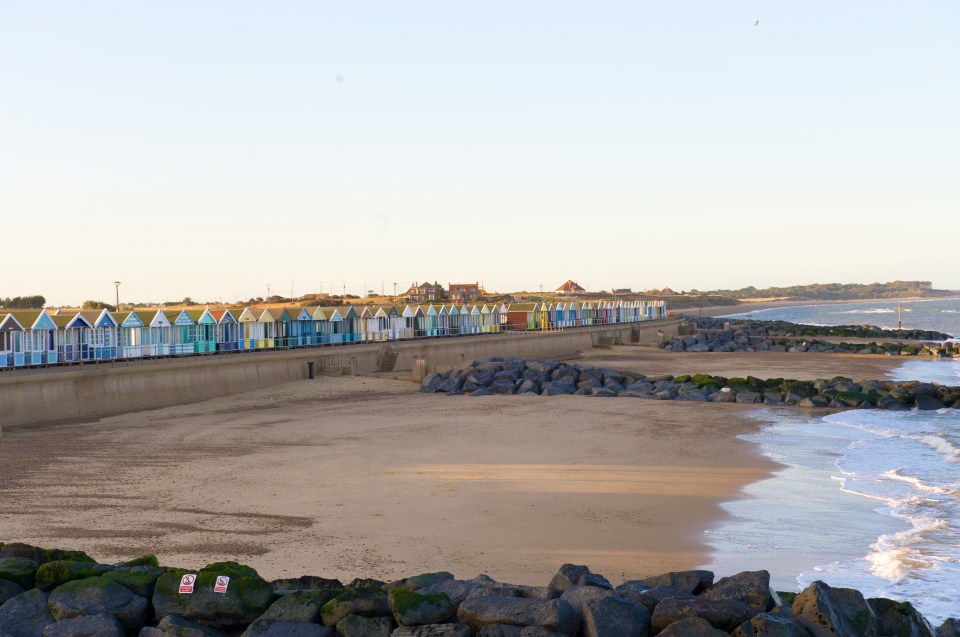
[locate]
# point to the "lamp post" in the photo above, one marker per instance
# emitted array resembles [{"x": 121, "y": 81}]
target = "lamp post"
[{"x": 116, "y": 284}]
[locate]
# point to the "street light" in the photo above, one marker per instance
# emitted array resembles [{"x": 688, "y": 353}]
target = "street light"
[{"x": 116, "y": 284}]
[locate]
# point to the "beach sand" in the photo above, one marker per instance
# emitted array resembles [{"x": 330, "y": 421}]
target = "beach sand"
[{"x": 366, "y": 477}]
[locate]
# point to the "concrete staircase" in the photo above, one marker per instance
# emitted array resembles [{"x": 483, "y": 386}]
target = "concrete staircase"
[{"x": 387, "y": 358}]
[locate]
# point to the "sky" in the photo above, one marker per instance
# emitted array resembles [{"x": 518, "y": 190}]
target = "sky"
[{"x": 210, "y": 149}]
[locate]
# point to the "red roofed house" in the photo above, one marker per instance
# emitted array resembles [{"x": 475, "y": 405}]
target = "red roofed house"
[
  {"x": 570, "y": 287},
  {"x": 464, "y": 292}
]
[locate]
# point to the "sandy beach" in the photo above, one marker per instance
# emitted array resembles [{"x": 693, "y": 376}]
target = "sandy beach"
[{"x": 366, "y": 477}]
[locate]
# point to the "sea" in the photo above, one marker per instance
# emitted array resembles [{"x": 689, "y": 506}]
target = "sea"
[{"x": 865, "y": 499}]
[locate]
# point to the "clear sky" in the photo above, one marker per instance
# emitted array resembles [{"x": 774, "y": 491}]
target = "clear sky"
[{"x": 206, "y": 149}]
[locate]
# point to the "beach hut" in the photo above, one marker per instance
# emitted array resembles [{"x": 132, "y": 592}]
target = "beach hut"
[
  {"x": 158, "y": 336},
  {"x": 11, "y": 342},
  {"x": 75, "y": 331},
  {"x": 184, "y": 334},
  {"x": 453, "y": 321},
  {"x": 523, "y": 316},
  {"x": 443, "y": 321},
  {"x": 330, "y": 324},
  {"x": 272, "y": 320},
  {"x": 228, "y": 330},
  {"x": 382, "y": 323},
  {"x": 396, "y": 322},
  {"x": 131, "y": 337},
  {"x": 351, "y": 324},
  {"x": 473, "y": 320},
  {"x": 250, "y": 327},
  {"x": 431, "y": 323}
]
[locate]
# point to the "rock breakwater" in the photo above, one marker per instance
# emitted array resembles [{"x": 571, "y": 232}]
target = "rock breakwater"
[
  {"x": 717, "y": 335},
  {"x": 523, "y": 377},
  {"x": 51, "y": 593}
]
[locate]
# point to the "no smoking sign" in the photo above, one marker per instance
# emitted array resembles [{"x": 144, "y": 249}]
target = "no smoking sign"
[
  {"x": 222, "y": 583},
  {"x": 186, "y": 583}
]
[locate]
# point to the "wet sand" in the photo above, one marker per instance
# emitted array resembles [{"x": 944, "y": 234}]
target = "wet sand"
[{"x": 366, "y": 477}]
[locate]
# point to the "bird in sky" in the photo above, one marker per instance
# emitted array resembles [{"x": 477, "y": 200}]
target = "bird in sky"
[{"x": 756, "y": 23}]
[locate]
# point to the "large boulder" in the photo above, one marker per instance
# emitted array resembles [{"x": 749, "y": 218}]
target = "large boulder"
[
  {"x": 9, "y": 590},
  {"x": 578, "y": 596},
  {"x": 576, "y": 575},
  {"x": 653, "y": 596},
  {"x": 557, "y": 388},
  {"x": 456, "y": 590},
  {"x": 41, "y": 555},
  {"x": 723, "y": 614},
  {"x": 413, "y": 609},
  {"x": 142, "y": 580},
  {"x": 834, "y": 611},
  {"x": 694, "y": 582},
  {"x": 949, "y": 628},
  {"x": 86, "y": 626},
  {"x": 899, "y": 618},
  {"x": 299, "y": 606},
  {"x": 25, "y": 615},
  {"x": 248, "y": 595},
  {"x": 771, "y": 625},
  {"x": 503, "y": 630},
  {"x": 284, "y": 628},
  {"x": 175, "y": 626},
  {"x": 53, "y": 574},
  {"x": 692, "y": 627},
  {"x": 432, "y": 630},
  {"x": 357, "y": 626},
  {"x": 306, "y": 583},
  {"x": 615, "y": 617},
  {"x": 20, "y": 570},
  {"x": 554, "y": 614},
  {"x": 97, "y": 596},
  {"x": 750, "y": 587},
  {"x": 423, "y": 580},
  {"x": 368, "y": 601}
]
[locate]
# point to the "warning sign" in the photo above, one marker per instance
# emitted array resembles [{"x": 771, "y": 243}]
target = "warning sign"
[
  {"x": 222, "y": 582},
  {"x": 186, "y": 583}
]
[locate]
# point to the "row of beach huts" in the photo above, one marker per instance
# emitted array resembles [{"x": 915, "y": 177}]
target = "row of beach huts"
[{"x": 40, "y": 337}]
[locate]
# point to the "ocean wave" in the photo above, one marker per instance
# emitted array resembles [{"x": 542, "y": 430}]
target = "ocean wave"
[
  {"x": 875, "y": 310},
  {"x": 942, "y": 445},
  {"x": 899, "y": 555},
  {"x": 895, "y": 474}
]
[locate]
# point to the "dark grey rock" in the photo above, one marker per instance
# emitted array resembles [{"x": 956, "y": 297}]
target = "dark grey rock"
[
  {"x": 750, "y": 587},
  {"x": 723, "y": 614},
  {"x": 557, "y": 388},
  {"x": 926, "y": 402},
  {"x": 615, "y": 617},
  {"x": 175, "y": 626},
  {"x": 299, "y": 606},
  {"x": 949, "y": 628},
  {"x": 142, "y": 580},
  {"x": 432, "y": 630},
  {"x": 26, "y": 615},
  {"x": 95, "y": 596},
  {"x": 368, "y": 603},
  {"x": 653, "y": 596},
  {"x": 432, "y": 383},
  {"x": 357, "y": 626},
  {"x": 899, "y": 618},
  {"x": 771, "y": 625},
  {"x": 554, "y": 614},
  {"x": 283, "y": 628},
  {"x": 578, "y": 596},
  {"x": 9, "y": 590},
  {"x": 19, "y": 570},
  {"x": 840, "y": 611},
  {"x": 568, "y": 575},
  {"x": 495, "y": 590},
  {"x": 57, "y": 572},
  {"x": 413, "y": 609},
  {"x": 86, "y": 626},
  {"x": 692, "y": 627},
  {"x": 723, "y": 397},
  {"x": 456, "y": 590},
  {"x": 502, "y": 630},
  {"x": 694, "y": 582}
]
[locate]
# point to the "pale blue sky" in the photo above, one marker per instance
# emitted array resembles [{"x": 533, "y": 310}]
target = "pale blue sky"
[{"x": 206, "y": 149}]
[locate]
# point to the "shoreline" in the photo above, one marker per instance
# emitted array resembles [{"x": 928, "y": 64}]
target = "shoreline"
[{"x": 748, "y": 307}]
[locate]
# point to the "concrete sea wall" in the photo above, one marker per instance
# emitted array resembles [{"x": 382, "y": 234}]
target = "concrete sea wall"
[{"x": 94, "y": 391}]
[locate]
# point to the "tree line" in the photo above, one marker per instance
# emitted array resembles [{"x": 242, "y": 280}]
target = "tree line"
[{"x": 35, "y": 302}]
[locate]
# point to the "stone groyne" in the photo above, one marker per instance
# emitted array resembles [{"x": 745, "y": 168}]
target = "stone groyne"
[
  {"x": 718, "y": 335},
  {"x": 56, "y": 593},
  {"x": 522, "y": 377}
]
